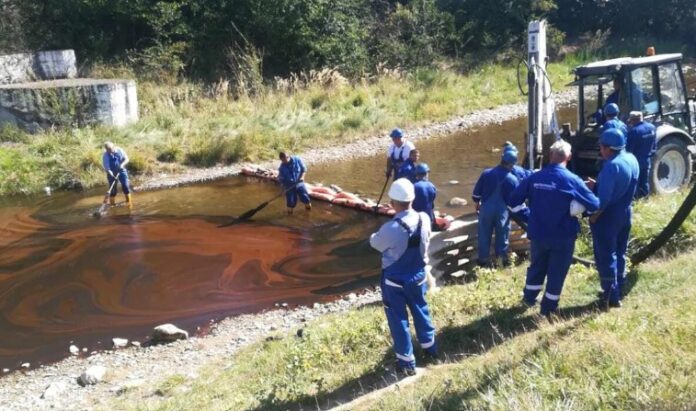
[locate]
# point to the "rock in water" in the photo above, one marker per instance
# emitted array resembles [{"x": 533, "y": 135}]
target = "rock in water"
[
  {"x": 92, "y": 375},
  {"x": 74, "y": 350},
  {"x": 167, "y": 333},
  {"x": 119, "y": 342},
  {"x": 453, "y": 182},
  {"x": 457, "y": 202},
  {"x": 53, "y": 390}
]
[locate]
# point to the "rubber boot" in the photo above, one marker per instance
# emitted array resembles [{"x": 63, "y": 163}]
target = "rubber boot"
[
  {"x": 112, "y": 200},
  {"x": 289, "y": 211},
  {"x": 128, "y": 200},
  {"x": 308, "y": 206}
]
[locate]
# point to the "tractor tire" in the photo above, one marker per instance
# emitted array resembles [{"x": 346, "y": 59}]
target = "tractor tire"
[{"x": 671, "y": 166}]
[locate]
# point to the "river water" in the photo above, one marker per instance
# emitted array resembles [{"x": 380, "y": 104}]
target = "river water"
[{"x": 66, "y": 277}]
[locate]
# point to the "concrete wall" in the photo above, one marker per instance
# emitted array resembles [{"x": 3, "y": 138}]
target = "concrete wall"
[
  {"x": 69, "y": 102},
  {"x": 42, "y": 65}
]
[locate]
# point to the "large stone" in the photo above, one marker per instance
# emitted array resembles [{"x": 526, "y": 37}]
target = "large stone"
[
  {"x": 167, "y": 333},
  {"x": 54, "y": 390},
  {"x": 68, "y": 102},
  {"x": 119, "y": 342},
  {"x": 92, "y": 375},
  {"x": 457, "y": 202},
  {"x": 42, "y": 65}
]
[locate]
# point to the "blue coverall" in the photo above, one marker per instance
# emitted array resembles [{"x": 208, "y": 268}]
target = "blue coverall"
[
  {"x": 112, "y": 162},
  {"x": 551, "y": 229},
  {"x": 491, "y": 190},
  {"x": 642, "y": 143},
  {"x": 520, "y": 172},
  {"x": 407, "y": 170},
  {"x": 616, "y": 185},
  {"x": 403, "y": 242},
  {"x": 614, "y": 123},
  {"x": 425, "y": 198},
  {"x": 289, "y": 176}
]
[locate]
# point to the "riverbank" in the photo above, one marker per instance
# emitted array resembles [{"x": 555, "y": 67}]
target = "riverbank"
[
  {"x": 198, "y": 130},
  {"x": 295, "y": 357}
]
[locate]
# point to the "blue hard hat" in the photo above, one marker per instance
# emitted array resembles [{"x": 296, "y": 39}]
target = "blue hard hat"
[
  {"x": 422, "y": 168},
  {"x": 611, "y": 109},
  {"x": 396, "y": 133},
  {"x": 510, "y": 156},
  {"x": 509, "y": 146},
  {"x": 613, "y": 138}
]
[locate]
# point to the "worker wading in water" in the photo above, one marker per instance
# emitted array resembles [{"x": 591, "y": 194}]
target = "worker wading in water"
[
  {"x": 114, "y": 162},
  {"x": 611, "y": 224},
  {"x": 552, "y": 229},
  {"x": 642, "y": 143},
  {"x": 490, "y": 192},
  {"x": 403, "y": 242},
  {"x": 291, "y": 175},
  {"x": 398, "y": 152}
]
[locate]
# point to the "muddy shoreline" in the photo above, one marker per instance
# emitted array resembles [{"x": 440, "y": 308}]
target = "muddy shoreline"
[{"x": 140, "y": 370}]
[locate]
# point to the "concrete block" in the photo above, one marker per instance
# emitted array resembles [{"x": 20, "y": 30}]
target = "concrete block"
[{"x": 42, "y": 65}]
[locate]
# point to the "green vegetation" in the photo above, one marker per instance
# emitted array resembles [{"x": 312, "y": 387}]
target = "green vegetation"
[
  {"x": 192, "y": 124},
  {"x": 499, "y": 355}
]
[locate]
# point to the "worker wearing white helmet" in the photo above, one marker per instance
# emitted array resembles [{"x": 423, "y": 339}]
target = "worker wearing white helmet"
[{"x": 403, "y": 242}]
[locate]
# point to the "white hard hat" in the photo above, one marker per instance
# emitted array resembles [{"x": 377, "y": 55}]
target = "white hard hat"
[
  {"x": 402, "y": 190},
  {"x": 576, "y": 208}
]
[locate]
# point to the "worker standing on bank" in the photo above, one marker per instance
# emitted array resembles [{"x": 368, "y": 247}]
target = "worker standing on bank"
[
  {"x": 408, "y": 168},
  {"x": 114, "y": 161},
  {"x": 642, "y": 143},
  {"x": 398, "y": 152},
  {"x": 492, "y": 188},
  {"x": 611, "y": 112},
  {"x": 291, "y": 175},
  {"x": 425, "y": 192},
  {"x": 403, "y": 242},
  {"x": 552, "y": 229},
  {"x": 611, "y": 224}
]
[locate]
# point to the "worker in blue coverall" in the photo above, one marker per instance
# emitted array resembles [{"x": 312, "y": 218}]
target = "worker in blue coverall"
[
  {"x": 408, "y": 168},
  {"x": 611, "y": 224},
  {"x": 552, "y": 229},
  {"x": 425, "y": 193},
  {"x": 642, "y": 143},
  {"x": 611, "y": 112},
  {"x": 291, "y": 175},
  {"x": 114, "y": 161},
  {"x": 403, "y": 242},
  {"x": 520, "y": 172},
  {"x": 398, "y": 152},
  {"x": 490, "y": 192}
]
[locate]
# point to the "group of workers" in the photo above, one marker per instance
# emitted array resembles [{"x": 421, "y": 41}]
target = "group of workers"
[{"x": 548, "y": 200}]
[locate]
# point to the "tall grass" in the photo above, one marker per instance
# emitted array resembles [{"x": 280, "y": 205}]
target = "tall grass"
[{"x": 190, "y": 124}]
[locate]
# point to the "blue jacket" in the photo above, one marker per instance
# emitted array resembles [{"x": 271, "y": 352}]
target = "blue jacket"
[
  {"x": 642, "y": 142},
  {"x": 616, "y": 183},
  {"x": 614, "y": 123},
  {"x": 289, "y": 174},
  {"x": 521, "y": 173},
  {"x": 425, "y": 197},
  {"x": 550, "y": 191},
  {"x": 490, "y": 179},
  {"x": 407, "y": 170}
]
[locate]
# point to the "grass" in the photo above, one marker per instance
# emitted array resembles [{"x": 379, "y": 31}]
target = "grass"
[
  {"x": 188, "y": 124},
  {"x": 499, "y": 355}
]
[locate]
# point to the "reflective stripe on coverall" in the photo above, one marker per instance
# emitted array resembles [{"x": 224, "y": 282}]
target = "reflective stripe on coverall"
[
  {"x": 551, "y": 230},
  {"x": 616, "y": 185},
  {"x": 403, "y": 285}
]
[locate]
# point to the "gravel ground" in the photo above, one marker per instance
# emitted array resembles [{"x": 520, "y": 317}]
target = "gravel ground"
[{"x": 138, "y": 370}]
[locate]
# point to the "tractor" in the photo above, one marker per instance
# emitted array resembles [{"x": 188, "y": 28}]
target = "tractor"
[{"x": 653, "y": 85}]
